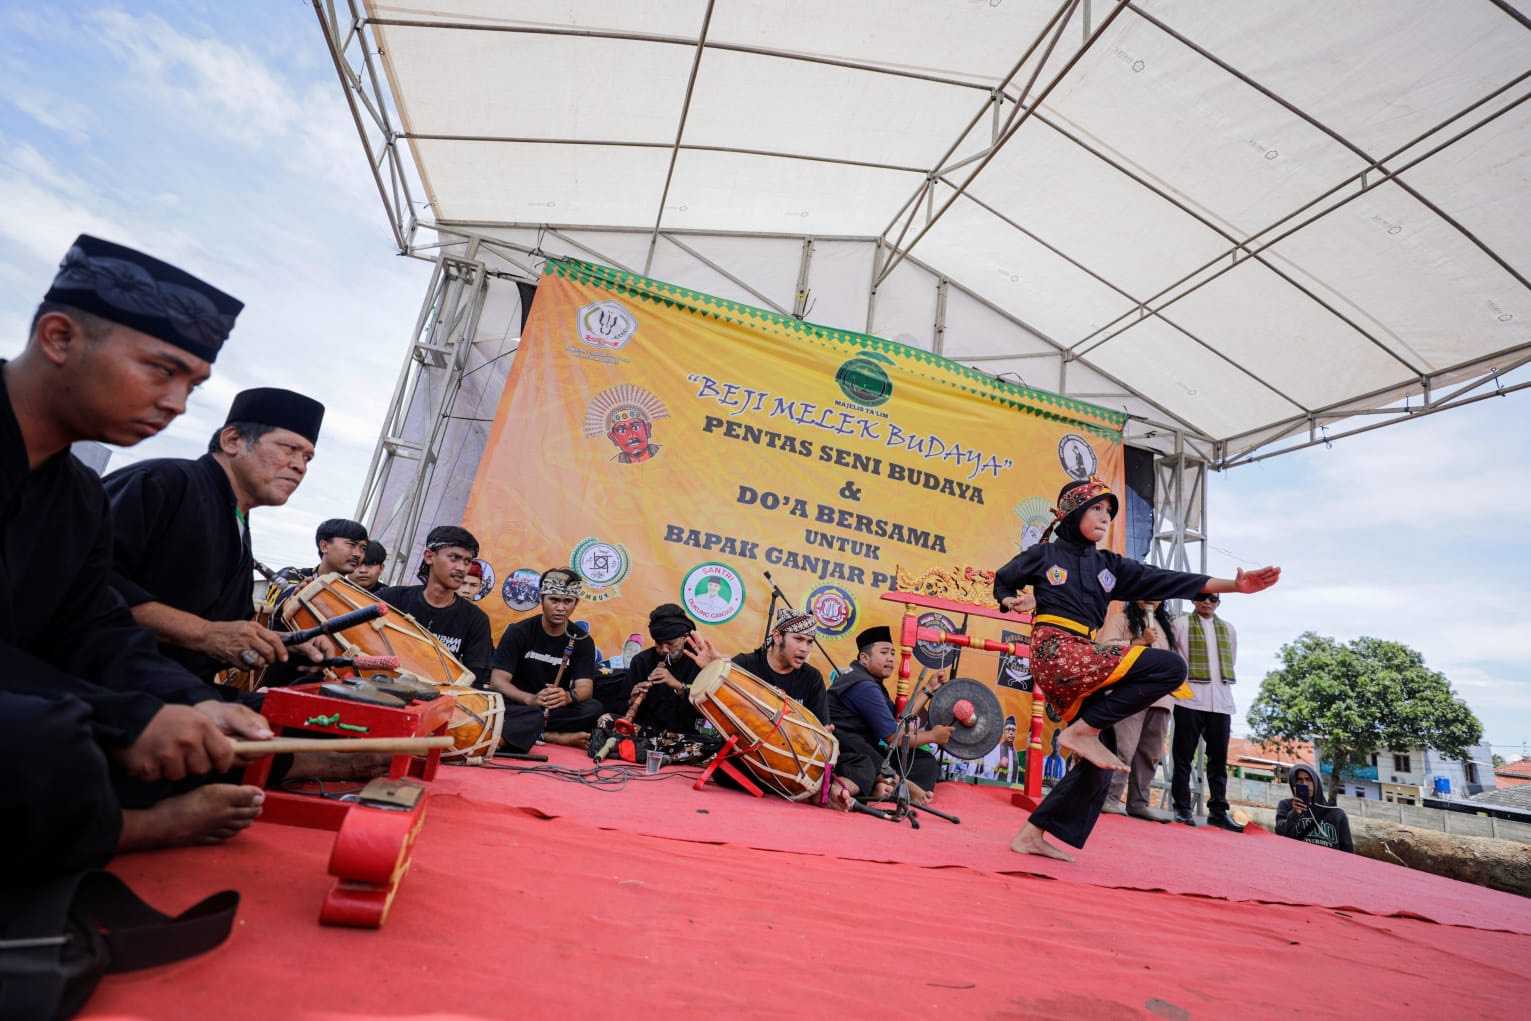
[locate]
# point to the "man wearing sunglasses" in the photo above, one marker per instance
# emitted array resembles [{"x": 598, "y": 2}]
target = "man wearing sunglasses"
[{"x": 1211, "y": 646}]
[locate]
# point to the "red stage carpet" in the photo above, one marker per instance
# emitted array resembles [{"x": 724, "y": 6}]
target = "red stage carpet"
[{"x": 510, "y": 913}]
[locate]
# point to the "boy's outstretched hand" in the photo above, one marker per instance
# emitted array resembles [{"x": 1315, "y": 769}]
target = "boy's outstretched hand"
[{"x": 1254, "y": 581}]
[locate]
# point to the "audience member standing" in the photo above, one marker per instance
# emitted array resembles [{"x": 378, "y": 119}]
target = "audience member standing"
[
  {"x": 1211, "y": 646},
  {"x": 1140, "y": 737}
]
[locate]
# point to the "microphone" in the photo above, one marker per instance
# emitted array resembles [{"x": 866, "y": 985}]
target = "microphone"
[{"x": 963, "y": 712}]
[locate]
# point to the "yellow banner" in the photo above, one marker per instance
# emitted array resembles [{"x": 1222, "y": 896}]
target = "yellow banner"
[{"x": 673, "y": 447}]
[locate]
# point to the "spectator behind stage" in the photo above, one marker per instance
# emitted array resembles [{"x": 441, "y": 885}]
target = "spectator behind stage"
[
  {"x": 181, "y": 531},
  {"x": 1140, "y": 737},
  {"x": 472, "y": 581},
  {"x": 531, "y": 652},
  {"x": 368, "y": 574},
  {"x": 662, "y": 674},
  {"x": 1307, "y": 814},
  {"x": 436, "y": 605},
  {"x": 863, "y": 716},
  {"x": 1210, "y": 647}
]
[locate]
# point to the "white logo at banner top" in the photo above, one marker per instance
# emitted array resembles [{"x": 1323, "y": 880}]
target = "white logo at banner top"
[{"x": 606, "y": 324}]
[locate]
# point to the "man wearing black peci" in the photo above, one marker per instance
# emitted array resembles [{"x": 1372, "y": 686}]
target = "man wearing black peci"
[
  {"x": 93, "y": 719},
  {"x": 181, "y": 529},
  {"x": 862, "y": 713},
  {"x": 541, "y": 662}
]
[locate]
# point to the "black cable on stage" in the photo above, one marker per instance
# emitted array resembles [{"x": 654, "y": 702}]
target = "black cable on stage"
[{"x": 604, "y": 777}]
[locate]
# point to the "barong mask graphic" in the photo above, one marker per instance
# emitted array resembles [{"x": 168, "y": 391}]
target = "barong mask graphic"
[{"x": 625, "y": 415}]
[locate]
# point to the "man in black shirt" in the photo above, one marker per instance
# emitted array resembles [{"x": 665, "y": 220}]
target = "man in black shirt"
[
  {"x": 783, "y": 663},
  {"x": 368, "y": 575},
  {"x": 541, "y": 662},
  {"x": 91, "y": 715},
  {"x": 663, "y": 674},
  {"x": 459, "y": 625},
  {"x": 182, "y": 549}
]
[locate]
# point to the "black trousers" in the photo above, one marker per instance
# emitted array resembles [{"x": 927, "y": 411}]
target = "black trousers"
[
  {"x": 571, "y": 719},
  {"x": 60, "y": 809},
  {"x": 1192, "y": 726},
  {"x": 1073, "y": 805},
  {"x": 860, "y": 759}
]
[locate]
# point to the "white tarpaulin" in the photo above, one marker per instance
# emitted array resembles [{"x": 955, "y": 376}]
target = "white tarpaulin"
[{"x": 1237, "y": 220}]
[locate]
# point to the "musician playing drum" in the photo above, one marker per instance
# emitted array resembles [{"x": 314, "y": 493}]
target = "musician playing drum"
[
  {"x": 181, "y": 556},
  {"x": 783, "y": 663},
  {"x": 459, "y": 625}
]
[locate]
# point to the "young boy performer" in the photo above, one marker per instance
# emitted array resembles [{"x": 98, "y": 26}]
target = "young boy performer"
[{"x": 1091, "y": 685}]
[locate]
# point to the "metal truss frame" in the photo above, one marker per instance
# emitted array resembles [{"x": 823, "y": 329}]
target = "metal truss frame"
[
  {"x": 350, "y": 37},
  {"x": 443, "y": 337}
]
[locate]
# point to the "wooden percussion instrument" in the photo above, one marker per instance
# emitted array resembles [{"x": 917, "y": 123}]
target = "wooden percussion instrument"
[
  {"x": 397, "y": 634},
  {"x": 477, "y": 719},
  {"x": 783, "y": 745}
]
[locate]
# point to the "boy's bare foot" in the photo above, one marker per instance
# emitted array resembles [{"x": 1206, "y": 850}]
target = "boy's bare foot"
[
  {"x": 207, "y": 815},
  {"x": 1031, "y": 840},
  {"x": 338, "y": 765},
  {"x": 918, "y": 795},
  {"x": 572, "y": 739},
  {"x": 1088, "y": 746},
  {"x": 883, "y": 789}
]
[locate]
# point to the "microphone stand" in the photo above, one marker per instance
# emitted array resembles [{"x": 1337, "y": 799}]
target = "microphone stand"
[
  {"x": 903, "y": 806},
  {"x": 778, "y": 594}
]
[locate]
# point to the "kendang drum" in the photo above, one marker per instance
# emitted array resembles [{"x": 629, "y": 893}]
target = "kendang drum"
[
  {"x": 477, "y": 719},
  {"x": 782, "y": 744},
  {"x": 398, "y": 634}
]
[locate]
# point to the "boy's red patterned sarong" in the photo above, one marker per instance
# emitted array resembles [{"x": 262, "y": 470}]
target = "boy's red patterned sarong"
[{"x": 1068, "y": 667}]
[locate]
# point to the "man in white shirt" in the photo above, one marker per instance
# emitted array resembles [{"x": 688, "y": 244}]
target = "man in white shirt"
[{"x": 1211, "y": 646}]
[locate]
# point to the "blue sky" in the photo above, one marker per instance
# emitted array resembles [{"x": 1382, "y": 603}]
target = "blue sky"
[{"x": 215, "y": 135}]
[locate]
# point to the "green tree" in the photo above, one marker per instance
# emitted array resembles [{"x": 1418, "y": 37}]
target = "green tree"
[
  {"x": 1357, "y": 698},
  {"x": 1498, "y": 760}
]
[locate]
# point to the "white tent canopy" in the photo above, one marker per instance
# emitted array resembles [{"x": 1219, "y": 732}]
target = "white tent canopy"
[{"x": 1240, "y": 222}]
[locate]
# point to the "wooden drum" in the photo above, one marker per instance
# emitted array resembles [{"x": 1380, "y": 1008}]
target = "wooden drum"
[
  {"x": 398, "y": 634},
  {"x": 783, "y": 745},
  {"x": 477, "y": 719}
]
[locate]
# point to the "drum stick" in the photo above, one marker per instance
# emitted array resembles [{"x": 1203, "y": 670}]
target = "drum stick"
[
  {"x": 340, "y": 623},
  {"x": 397, "y": 745}
]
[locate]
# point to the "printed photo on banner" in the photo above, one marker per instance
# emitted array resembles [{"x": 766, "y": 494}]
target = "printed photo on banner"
[
  {"x": 712, "y": 593},
  {"x": 1077, "y": 456},
  {"x": 520, "y": 591},
  {"x": 1014, "y": 671}
]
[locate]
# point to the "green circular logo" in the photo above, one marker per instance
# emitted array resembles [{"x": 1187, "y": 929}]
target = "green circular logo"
[{"x": 864, "y": 381}]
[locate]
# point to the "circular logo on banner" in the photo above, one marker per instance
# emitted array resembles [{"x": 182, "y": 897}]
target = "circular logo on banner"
[
  {"x": 602, "y": 564},
  {"x": 933, "y": 654},
  {"x": 1076, "y": 456},
  {"x": 713, "y": 593},
  {"x": 521, "y": 589},
  {"x": 834, "y": 609},
  {"x": 864, "y": 380},
  {"x": 606, "y": 324},
  {"x": 486, "y": 580}
]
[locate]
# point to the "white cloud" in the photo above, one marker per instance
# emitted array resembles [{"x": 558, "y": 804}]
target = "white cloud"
[{"x": 68, "y": 118}]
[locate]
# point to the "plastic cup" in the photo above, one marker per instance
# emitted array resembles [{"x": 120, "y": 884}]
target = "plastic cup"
[{"x": 654, "y": 762}]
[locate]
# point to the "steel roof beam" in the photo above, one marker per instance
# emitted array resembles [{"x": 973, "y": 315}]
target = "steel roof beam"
[{"x": 680, "y": 129}]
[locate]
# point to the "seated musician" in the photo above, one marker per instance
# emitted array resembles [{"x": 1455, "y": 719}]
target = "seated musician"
[
  {"x": 368, "y": 575},
  {"x": 663, "y": 674},
  {"x": 783, "y": 663},
  {"x": 459, "y": 625},
  {"x": 181, "y": 556},
  {"x": 341, "y": 543},
  {"x": 93, "y": 719},
  {"x": 864, "y": 721},
  {"x": 541, "y": 662}
]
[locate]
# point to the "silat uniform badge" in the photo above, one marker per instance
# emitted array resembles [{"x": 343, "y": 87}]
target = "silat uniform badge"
[
  {"x": 1057, "y": 575},
  {"x": 1107, "y": 579}
]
